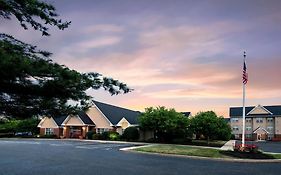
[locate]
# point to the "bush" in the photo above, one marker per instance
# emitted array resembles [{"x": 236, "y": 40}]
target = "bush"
[
  {"x": 114, "y": 135},
  {"x": 131, "y": 133},
  {"x": 90, "y": 134},
  {"x": 252, "y": 148},
  {"x": 6, "y": 135},
  {"x": 97, "y": 137},
  {"x": 14, "y": 126}
]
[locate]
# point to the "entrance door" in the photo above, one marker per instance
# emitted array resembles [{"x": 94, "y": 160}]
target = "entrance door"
[
  {"x": 259, "y": 137},
  {"x": 75, "y": 131}
]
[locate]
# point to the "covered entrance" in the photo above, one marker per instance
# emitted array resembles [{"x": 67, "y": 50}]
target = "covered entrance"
[
  {"x": 75, "y": 127},
  {"x": 261, "y": 134}
]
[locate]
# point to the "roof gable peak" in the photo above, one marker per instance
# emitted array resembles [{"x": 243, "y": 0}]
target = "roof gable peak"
[{"x": 259, "y": 109}]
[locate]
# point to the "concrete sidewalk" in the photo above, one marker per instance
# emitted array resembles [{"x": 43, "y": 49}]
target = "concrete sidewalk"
[{"x": 228, "y": 146}]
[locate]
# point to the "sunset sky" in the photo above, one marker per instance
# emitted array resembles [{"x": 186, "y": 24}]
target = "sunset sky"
[{"x": 186, "y": 55}]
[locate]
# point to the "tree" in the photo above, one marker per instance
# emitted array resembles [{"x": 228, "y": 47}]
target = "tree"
[
  {"x": 30, "y": 82},
  {"x": 210, "y": 126},
  {"x": 131, "y": 133},
  {"x": 167, "y": 124},
  {"x": 27, "y": 11}
]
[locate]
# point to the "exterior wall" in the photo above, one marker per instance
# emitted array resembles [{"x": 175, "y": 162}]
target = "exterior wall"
[
  {"x": 238, "y": 124},
  {"x": 42, "y": 131},
  {"x": 273, "y": 127},
  {"x": 57, "y": 132},
  {"x": 278, "y": 125},
  {"x": 97, "y": 117},
  {"x": 120, "y": 130},
  {"x": 48, "y": 123},
  {"x": 256, "y": 125},
  {"x": 74, "y": 121}
]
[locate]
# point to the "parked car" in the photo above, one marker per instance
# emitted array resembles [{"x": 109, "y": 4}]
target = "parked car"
[{"x": 23, "y": 134}]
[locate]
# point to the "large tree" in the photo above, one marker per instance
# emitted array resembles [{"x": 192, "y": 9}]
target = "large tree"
[
  {"x": 30, "y": 82},
  {"x": 167, "y": 124},
  {"x": 210, "y": 126}
]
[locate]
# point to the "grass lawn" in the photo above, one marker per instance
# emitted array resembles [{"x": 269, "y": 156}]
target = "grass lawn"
[
  {"x": 205, "y": 152},
  {"x": 213, "y": 143}
]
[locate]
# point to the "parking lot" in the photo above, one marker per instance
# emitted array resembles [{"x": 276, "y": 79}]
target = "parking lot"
[{"x": 66, "y": 157}]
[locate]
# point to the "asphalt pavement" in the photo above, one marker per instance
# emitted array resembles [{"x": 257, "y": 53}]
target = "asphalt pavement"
[{"x": 66, "y": 157}]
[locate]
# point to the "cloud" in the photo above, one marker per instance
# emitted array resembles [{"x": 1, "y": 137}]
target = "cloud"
[
  {"x": 110, "y": 28},
  {"x": 99, "y": 42}
]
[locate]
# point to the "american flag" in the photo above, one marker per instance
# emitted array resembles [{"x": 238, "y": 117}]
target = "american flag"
[{"x": 245, "y": 74}]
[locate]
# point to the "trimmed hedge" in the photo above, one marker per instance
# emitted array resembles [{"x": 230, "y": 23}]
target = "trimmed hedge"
[{"x": 131, "y": 134}]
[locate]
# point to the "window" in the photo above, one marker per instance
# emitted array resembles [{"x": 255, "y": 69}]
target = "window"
[
  {"x": 49, "y": 131},
  {"x": 235, "y": 128},
  {"x": 259, "y": 120},
  {"x": 101, "y": 130},
  {"x": 269, "y": 128},
  {"x": 234, "y": 120},
  {"x": 248, "y": 128},
  {"x": 269, "y": 120},
  {"x": 248, "y": 120}
]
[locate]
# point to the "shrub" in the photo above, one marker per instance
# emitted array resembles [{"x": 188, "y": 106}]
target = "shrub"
[
  {"x": 89, "y": 135},
  {"x": 114, "y": 135},
  {"x": 131, "y": 133},
  {"x": 97, "y": 137},
  {"x": 247, "y": 148}
]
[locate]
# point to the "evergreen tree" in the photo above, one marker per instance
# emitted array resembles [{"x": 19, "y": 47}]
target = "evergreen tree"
[{"x": 30, "y": 82}]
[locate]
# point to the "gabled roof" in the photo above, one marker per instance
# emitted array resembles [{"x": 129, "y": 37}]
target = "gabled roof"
[
  {"x": 59, "y": 120},
  {"x": 85, "y": 118},
  {"x": 260, "y": 128},
  {"x": 114, "y": 113},
  {"x": 238, "y": 111},
  {"x": 82, "y": 117},
  {"x": 187, "y": 114},
  {"x": 259, "y": 109}
]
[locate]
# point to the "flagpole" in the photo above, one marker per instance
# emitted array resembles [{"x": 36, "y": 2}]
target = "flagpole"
[{"x": 244, "y": 89}]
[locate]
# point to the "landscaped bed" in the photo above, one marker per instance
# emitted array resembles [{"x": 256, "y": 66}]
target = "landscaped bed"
[{"x": 205, "y": 152}]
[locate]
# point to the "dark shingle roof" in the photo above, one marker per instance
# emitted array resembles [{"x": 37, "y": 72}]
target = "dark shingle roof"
[
  {"x": 85, "y": 118},
  {"x": 115, "y": 114},
  {"x": 59, "y": 120},
  {"x": 186, "y": 113},
  {"x": 238, "y": 111}
]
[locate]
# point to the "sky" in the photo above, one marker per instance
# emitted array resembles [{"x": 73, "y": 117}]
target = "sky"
[{"x": 181, "y": 54}]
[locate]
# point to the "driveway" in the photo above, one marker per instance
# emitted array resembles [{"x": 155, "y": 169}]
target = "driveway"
[
  {"x": 270, "y": 146},
  {"x": 62, "y": 157}
]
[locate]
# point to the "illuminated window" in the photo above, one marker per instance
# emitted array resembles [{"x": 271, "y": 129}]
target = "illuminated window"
[{"x": 49, "y": 131}]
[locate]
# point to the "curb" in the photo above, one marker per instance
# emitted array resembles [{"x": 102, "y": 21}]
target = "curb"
[{"x": 131, "y": 149}]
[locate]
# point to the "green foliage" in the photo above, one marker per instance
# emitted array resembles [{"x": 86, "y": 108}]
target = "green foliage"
[
  {"x": 114, "y": 136},
  {"x": 131, "y": 134},
  {"x": 31, "y": 85},
  {"x": 97, "y": 137},
  {"x": 90, "y": 134},
  {"x": 210, "y": 126},
  {"x": 107, "y": 135},
  {"x": 167, "y": 124},
  {"x": 29, "y": 11},
  {"x": 13, "y": 126}
]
